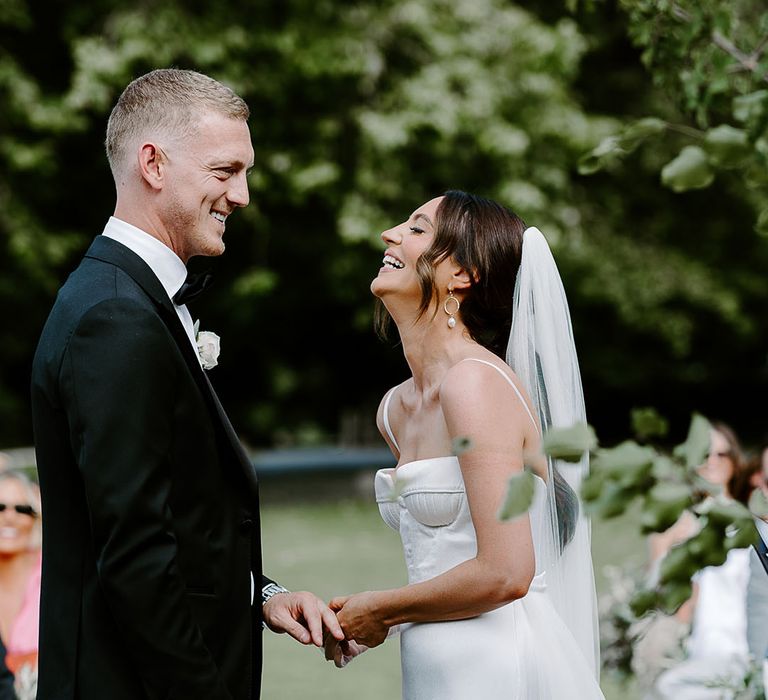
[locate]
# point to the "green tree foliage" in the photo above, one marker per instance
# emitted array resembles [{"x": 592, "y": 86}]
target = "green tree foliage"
[
  {"x": 360, "y": 112},
  {"x": 711, "y": 58}
]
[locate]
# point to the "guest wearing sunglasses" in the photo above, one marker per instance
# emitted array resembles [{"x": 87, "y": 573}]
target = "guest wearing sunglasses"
[
  {"x": 19, "y": 569},
  {"x": 716, "y": 649}
]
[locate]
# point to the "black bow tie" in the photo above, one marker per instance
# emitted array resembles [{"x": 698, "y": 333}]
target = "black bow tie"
[{"x": 195, "y": 284}]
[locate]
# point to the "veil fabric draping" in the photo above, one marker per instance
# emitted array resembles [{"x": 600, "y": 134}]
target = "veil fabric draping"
[{"x": 542, "y": 352}]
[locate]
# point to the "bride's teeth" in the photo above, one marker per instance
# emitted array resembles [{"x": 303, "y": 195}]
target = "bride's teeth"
[{"x": 393, "y": 262}]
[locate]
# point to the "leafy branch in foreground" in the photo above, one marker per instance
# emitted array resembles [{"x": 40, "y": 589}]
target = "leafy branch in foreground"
[
  {"x": 711, "y": 60},
  {"x": 665, "y": 484}
]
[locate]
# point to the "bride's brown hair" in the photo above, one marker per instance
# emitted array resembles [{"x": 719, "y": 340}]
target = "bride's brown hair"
[{"x": 486, "y": 239}]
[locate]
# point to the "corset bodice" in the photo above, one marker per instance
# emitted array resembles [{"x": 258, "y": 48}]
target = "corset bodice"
[{"x": 425, "y": 502}]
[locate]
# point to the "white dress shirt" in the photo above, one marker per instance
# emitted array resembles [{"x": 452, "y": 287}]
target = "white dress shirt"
[{"x": 166, "y": 265}]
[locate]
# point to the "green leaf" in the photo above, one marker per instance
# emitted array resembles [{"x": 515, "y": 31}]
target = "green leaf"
[
  {"x": 519, "y": 497},
  {"x": 628, "y": 456},
  {"x": 646, "y": 423},
  {"x": 621, "y": 144},
  {"x": 643, "y": 601},
  {"x": 663, "y": 505},
  {"x": 666, "y": 468},
  {"x": 696, "y": 446},
  {"x": 745, "y": 536},
  {"x": 592, "y": 486},
  {"x": 748, "y": 107},
  {"x": 608, "y": 150},
  {"x": 727, "y": 146},
  {"x": 725, "y": 512},
  {"x": 460, "y": 445},
  {"x": 758, "y": 503},
  {"x": 636, "y": 132},
  {"x": 673, "y": 595},
  {"x": 612, "y": 501},
  {"x": 707, "y": 545},
  {"x": 670, "y": 493},
  {"x": 690, "y": 170},
  {"x": 678, "y": 565},
  {"x": 569, "y": 444}
]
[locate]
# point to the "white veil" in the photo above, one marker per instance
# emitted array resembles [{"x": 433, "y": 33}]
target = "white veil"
[{"x": 542, "y": 353}]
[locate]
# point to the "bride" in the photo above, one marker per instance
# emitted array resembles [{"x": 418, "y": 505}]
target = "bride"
[{"x": 493, "y": 609}]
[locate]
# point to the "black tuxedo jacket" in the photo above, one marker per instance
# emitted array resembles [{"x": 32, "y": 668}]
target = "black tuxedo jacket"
[{"x": 150, "y": 505}]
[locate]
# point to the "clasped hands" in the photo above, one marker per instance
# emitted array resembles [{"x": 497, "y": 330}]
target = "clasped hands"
[
  {"x": 346, "y": 627},
  {"x": 361, "y": 627}
]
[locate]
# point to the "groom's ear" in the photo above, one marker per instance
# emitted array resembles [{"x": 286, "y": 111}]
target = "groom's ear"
[{"x": 152, "y": 165}]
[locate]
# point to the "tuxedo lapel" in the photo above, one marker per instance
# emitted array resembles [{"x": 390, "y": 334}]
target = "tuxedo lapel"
[
  {"x": 115, "y": 253},
  {"x": 110, "y": 251},
  {"x": 242, "y": 457}
]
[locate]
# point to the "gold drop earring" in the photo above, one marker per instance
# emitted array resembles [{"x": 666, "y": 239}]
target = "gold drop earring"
[{"x": 446, "y": 307}]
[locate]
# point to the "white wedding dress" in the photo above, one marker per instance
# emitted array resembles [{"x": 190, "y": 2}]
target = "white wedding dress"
[{"x": 521, "y": 651}]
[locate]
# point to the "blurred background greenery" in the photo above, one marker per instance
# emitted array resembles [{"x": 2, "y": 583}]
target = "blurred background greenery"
[{"x": 364, "y": 109}]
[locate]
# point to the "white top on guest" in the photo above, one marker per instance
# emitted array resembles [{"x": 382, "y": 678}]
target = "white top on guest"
[
  {"x": 719, "y": 625},
  {"x": 166, "y": 265}
]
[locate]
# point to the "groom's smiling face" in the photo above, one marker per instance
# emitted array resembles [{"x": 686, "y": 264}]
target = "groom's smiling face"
[{"x": 206, "y": 180}]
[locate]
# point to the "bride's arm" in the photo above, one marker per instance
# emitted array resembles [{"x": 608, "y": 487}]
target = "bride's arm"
[{"x": 479, "y": 406}]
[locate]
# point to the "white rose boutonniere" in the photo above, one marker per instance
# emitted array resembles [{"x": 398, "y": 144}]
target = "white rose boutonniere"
[{"x": 208, "y": 347}]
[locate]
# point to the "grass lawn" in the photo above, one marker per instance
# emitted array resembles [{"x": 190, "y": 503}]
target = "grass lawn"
[{"x": 343, "y": 546}]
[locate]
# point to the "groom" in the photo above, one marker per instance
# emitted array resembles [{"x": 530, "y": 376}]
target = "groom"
[{"x": 151, "y": 542}]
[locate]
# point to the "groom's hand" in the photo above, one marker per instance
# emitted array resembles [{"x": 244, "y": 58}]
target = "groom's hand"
[
  {"x": 358, "y": 618},
  {"x": 302, "y": 615}
]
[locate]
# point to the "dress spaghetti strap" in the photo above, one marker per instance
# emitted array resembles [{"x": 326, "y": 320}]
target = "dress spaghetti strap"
[
  {"x": 511, "y": 383},
  {"x": 385, "y": 417}
]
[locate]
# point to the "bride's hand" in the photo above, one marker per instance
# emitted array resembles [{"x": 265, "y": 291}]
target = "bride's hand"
[
  {"x": 358, "y": 618},
  {"x": 337, "y": 603}
]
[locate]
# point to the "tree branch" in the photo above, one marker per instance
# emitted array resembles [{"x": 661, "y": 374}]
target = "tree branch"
[
  {"x": 730, "y": 48},
  {"x": 680, "y": 13},
  {"x": 685, "y": 130},
  {"x": 748, "y": 63},
  {"x": 760, "y": 48}
]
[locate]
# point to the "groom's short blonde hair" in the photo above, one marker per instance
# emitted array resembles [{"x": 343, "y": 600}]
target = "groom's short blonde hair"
[{"x": 167, "y": 102}]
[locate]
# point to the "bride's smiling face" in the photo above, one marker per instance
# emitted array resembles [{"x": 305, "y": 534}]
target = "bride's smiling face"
[{"x": 405, "y": 244}]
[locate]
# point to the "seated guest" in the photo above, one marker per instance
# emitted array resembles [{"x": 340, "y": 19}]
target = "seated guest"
[
  {"x": 20, "y": 561},
  {"x": 716, "y": 648}
]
